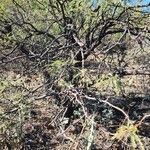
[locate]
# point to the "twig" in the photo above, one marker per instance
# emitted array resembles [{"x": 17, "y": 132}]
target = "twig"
[
  {"x": 143, "y": 118},
  {"x": 105, "y": 101}
]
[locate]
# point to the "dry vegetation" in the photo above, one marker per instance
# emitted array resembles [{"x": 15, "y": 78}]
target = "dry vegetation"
[
  {"x": 32, "y": 120},
  {"x": 83, "y": 88}
]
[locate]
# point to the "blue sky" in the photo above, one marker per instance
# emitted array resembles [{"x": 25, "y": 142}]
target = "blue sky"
[
  {"x": 142, "y": 1},
  {"x": 131, "y": 2}
]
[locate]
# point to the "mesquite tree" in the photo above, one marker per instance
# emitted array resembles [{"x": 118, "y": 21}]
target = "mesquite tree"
[{"x": 40, "y": 33}]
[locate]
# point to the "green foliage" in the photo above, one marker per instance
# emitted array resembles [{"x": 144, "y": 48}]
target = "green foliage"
[
  {"x": 129, "y": 131},
  {"x": 4, "y": 5},
  {"x": 56, "y": 66},
  {"x": 13, "y": 110},
  {"x": 83, "y": 78},
  {"x": 109, "y": 82}
]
